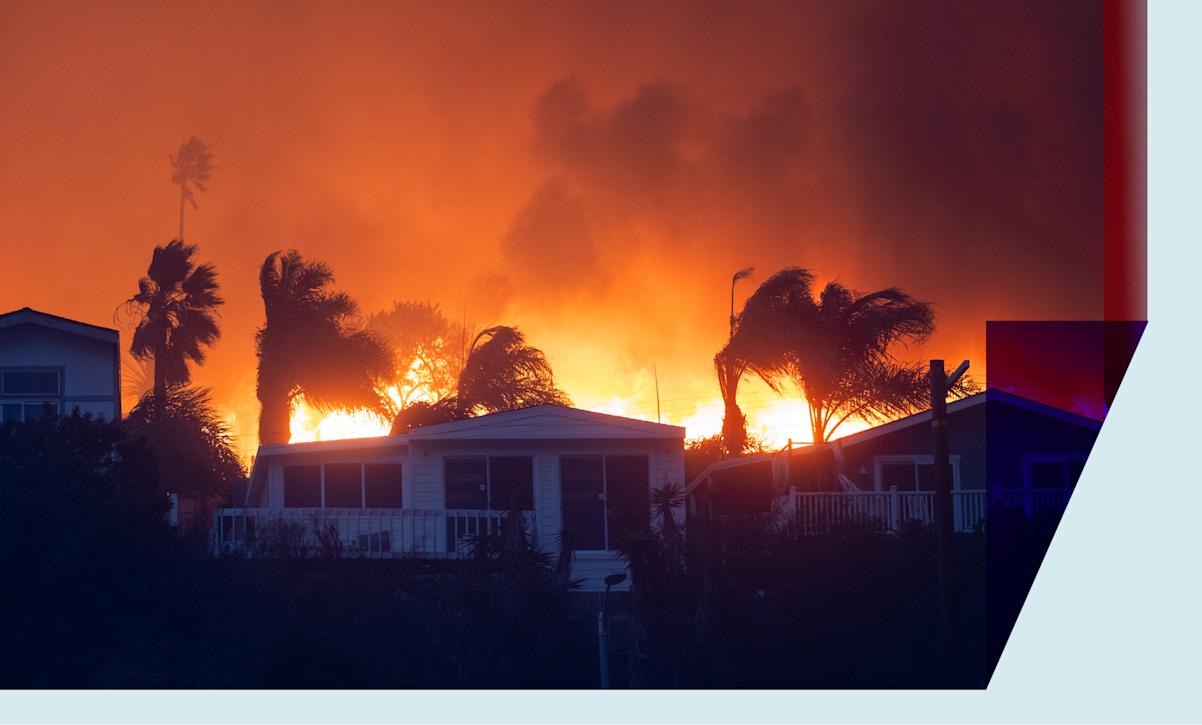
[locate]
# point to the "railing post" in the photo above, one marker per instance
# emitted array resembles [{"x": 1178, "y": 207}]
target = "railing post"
[{"x": 894, "y": 509}]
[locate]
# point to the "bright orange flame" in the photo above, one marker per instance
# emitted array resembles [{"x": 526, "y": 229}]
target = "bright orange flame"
[
  {"x": 772, "y": 419},
  {"x": 308, "y": 424}
]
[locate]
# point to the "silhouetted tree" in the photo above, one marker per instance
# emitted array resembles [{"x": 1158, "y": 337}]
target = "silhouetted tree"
[
  {"x": 730, "y": 372},
  {"x": 176, "y": 309},
  {"x": 836, "y": 348},
  {"x": 425, "y": 344},
  {"x": 502, "y": 373},
  {"x": 308, "y": 346},
  {"x": 665, "y": 597},
  {"x": 192, "y": 447},
  {"x": 82, "y": 530},
  {"x": 191, "y": 167}
]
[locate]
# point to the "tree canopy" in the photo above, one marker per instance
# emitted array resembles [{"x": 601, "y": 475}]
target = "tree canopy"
[
  {"x": 310, "y": 345},
  {"x": 176, "y": 311},
  {"x": 836, "y": 348}
]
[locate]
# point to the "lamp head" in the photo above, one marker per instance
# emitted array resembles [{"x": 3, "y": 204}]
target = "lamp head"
[{"x": 614, "y": 579}]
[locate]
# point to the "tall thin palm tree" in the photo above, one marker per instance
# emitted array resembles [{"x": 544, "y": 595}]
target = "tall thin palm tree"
[
  {"x": 308, "y": 345},
  {"x": 176, "y": 308},
  {"x": 836, "y": 348},
  {"x": 191, "y": 167}
]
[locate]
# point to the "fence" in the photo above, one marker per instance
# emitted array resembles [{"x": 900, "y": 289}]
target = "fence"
[
  {"x": 355, "y": 532},
  {"x": 891, "y": 510}
]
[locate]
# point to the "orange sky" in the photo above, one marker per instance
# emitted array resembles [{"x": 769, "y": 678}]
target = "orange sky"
[{"x": 592, "y": 173}]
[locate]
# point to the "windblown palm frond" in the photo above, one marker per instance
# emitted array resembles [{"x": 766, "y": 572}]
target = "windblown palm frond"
[
  {"x": 837, "y": 349},
  {"x": 502, "y": 372}
]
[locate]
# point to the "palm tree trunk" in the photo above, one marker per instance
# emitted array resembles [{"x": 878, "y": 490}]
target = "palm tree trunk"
[
  {"x": 160, "y": 382},
  {"x": 273, "y": 418},
  {"x": 181, "y": 212}
]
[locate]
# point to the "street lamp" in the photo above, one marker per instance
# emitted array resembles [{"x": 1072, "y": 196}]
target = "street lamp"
[
  {"x": 741, "y": 274},
  {"x": 603, "y": 628}
]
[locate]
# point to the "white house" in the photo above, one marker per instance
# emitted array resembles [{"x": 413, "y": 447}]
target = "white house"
[
  {"x": 52, "y": 362},
  {"x": 426, "y": 493}
]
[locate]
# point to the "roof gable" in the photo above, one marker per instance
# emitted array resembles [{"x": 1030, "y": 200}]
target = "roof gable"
[
  {"x": 29, "y": 316},
  {"x": 547, "y": 422}
]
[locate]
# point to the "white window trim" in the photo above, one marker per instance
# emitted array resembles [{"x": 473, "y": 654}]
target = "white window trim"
[
  {"x": 1061, "y": 458},
  {"x": 916, "y": 459}
]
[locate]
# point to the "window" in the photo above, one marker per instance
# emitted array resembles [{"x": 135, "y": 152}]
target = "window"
[
  {"x": 15, "y": 412},
  {"x": 30, "y": 382},
  {"x": 913, "y": 472},
  {"x": 1053, "y": 470},
  {"x": 466, "y": 483},
  {"x": 302, "y": 486},
  {"x": 582, "y": 489},
  {"x": 510, "y": 480},
  {"x": 343, "y": 485},
  {"x": 382, "y": 485},
  {"x": 489, "y": 482},
  {"x": 29, "y": 394},
  {"x": 605, "y": 499}
]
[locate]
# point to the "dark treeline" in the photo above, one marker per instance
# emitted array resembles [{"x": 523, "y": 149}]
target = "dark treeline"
[{"x": 100, "y": 593}]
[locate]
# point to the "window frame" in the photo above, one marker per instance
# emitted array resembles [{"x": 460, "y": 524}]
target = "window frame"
[
  {"x": 607, "y": 551},
  {"x": 1062, "y": 458},
  {"x": 56, "y": 400},
  {"x": 488, "y": 478},
  {"x": 60, "y": 373},
  {"x": 362, "y": 463},
  {"x": 916, "y": 459}
]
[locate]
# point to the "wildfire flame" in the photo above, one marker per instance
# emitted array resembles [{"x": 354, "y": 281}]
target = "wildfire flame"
[{"x": 773, "y": 420}]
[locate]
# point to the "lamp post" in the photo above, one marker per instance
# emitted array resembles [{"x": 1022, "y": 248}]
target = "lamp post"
[
  {"x": 603, "y": 629},
  {"x": 741, "y": 274}
]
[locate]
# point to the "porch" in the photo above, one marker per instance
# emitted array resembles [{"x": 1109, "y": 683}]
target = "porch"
[
  {"x": 893, "y": 510},
  {"x": 356, "y": 533}
]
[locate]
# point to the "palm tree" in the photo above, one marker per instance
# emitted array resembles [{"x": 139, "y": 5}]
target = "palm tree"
[
  {"x": 308, "y": 345},
  {"x": 194, "y": 451},
  {"x": 836, "y": 349},
  {"x": 176, "y": 307},
  {"x": 730, "y": 371},
  {"x": 501, "y": 373},
  {"x": 191, "y": 166}
]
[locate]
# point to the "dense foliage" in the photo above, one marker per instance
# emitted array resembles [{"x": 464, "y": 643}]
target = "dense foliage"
[{"x": 100, "y": 594}]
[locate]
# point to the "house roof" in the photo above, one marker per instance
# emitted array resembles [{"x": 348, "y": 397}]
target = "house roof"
[
  {"x": 991, "y": 395},
  {"x": 547, "y": 422},
  {"x": 29, "y": 316},
  {"x": 740, "y": 462},
  {"x": 922, "y": 418}
]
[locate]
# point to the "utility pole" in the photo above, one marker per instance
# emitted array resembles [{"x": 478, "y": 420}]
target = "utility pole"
[
  {"x": 944, "y": 512},
  {"x": 655, "y": 373}
]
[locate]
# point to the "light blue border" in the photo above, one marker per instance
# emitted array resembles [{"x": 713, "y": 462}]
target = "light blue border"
[{"x": 1112, "y": 630}]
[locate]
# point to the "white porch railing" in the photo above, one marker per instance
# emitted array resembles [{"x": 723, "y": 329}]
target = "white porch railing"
[
  {"x": 355, "y": 532},
  {"x": 891, "y": 510}
]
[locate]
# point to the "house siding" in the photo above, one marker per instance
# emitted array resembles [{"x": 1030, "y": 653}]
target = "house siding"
[
  {"x": 424, "y": 482},
  {"x": 90, "y": 373}
]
